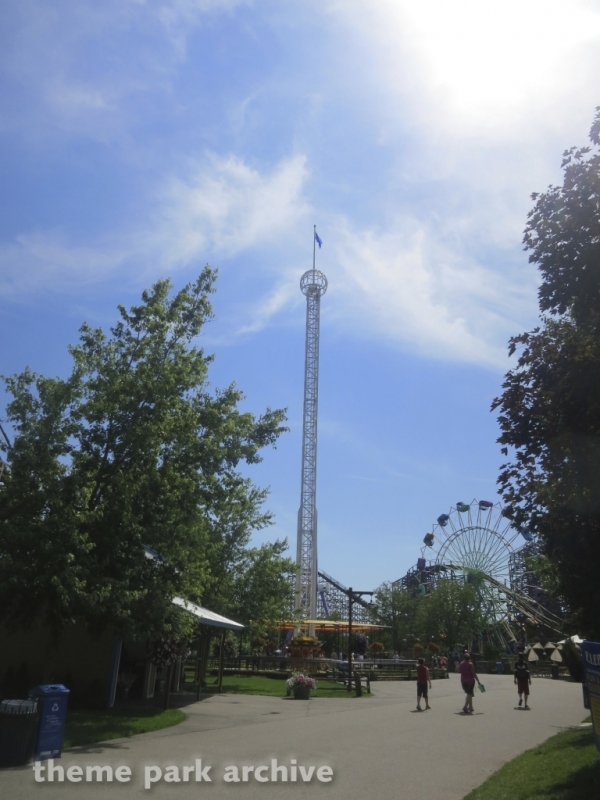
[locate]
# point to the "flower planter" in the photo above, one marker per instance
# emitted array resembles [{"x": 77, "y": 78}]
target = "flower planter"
[
  {"x": 300, "y": 685},
  {"x": 301, "y": 692}
]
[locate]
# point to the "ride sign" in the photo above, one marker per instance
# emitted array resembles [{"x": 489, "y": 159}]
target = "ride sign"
[{"x": 590, "y": 652}]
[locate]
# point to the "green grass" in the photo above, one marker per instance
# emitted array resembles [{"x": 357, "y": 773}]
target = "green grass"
[
  {"x": 273, "y": 687},
  {"x": 87, "y": 727},
  {"x": 566, "y": 767}
]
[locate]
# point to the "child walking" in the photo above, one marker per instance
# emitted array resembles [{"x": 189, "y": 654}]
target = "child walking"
[
  {"x": 523, "y": 680},
  {"x": 422, "y": 680}
]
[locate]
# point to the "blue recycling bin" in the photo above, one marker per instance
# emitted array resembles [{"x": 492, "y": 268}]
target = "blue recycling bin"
[{"x": 52, "y": 704}]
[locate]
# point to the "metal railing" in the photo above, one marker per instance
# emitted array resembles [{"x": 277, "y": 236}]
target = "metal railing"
[{"x": 284, "y": 664}]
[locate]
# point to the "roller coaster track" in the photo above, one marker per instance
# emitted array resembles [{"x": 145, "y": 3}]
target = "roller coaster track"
[
  {"x": 533, "y": 611},
  {"x": 341, "y": 588}
]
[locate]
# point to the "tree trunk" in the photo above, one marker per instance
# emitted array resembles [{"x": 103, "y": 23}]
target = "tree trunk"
[{"x": 168, "y": 686}]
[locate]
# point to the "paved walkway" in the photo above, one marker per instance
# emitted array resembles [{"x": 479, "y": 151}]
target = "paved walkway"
[{"x": 377, "y": 747}]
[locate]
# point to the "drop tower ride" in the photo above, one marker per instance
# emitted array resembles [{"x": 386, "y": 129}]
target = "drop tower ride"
[{"x": 313, "y": 285}]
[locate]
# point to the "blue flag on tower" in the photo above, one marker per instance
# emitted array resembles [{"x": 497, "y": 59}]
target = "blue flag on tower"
[{"x": 318, "y": 239}]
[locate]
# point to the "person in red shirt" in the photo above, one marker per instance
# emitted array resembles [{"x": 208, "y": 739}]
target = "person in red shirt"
[{"x": 422, "y": 680}]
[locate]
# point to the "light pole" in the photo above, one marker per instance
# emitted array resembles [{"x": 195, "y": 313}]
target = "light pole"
[
  {"x": 394, "y": 618},
  {"x": 352, "y": 598}
]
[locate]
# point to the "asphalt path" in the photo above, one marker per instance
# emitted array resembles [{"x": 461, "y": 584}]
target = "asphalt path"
[{"x": 377, "y": 746}]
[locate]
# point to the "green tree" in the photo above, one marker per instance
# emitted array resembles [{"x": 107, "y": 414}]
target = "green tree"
[
  {"x": 396, "y": 610},
  {"x": 129, "y": 452},
  {"x": 259, "y": 588},
  {"x": 550, "y": 405},
  {"x": 450, "y": 614}
]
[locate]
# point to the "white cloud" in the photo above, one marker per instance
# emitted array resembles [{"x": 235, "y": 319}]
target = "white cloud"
[
  {"x": 88, "y": 69},
  {"x": 180, "y": 16},
  {"x": 404, "y": 285},
  {"x": 78, "y": 97},
  {"x": 42, "y": 261},
  {"x": 284, "y": 294},
  {"x": 409, "y": 284},
  {"x": 225, "y": 206}
]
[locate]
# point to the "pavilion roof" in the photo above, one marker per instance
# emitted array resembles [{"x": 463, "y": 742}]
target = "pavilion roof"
[{"x": 207, "y": 617}]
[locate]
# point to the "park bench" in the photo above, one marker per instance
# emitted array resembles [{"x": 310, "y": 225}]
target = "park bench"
[
  {"x": 392, "y": 674},
  {"x": 341, "y": 676}
]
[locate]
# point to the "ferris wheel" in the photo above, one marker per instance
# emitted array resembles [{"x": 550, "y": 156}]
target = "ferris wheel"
[
  {"x": 475, "y": 537},
  {"x": 476, "y": 543}
]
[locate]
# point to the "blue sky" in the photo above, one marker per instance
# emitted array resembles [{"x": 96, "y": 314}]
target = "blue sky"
[{"x": 144, "y": 138}]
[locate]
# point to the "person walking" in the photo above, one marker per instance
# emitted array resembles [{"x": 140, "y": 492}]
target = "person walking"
[
  {"x": 468, "y": 678},
  {"x": 455, "y": 660},
  {"x": 422, "y": 680},
  {"x": 522, "y": 680}
]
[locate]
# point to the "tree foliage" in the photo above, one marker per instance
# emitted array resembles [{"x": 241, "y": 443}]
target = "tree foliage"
[
  {"x": 130, "y": 451},
  {"x": 450, "y": 614},
  {"x": 258, "y": 588},
  {"x": 550, "y": 405},
  {"x": 398, "y": 612}
]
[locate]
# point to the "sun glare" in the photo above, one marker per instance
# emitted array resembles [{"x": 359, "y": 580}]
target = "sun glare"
[{"x": 487, "y": 59}]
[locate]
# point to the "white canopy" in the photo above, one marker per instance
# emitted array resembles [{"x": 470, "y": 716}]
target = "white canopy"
[{"x": 207, "y": 617}]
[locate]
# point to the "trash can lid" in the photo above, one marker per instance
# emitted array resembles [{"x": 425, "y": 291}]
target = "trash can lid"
[
  {"x": 49, "y": 690},
  {"x": 18, "y": 707}
]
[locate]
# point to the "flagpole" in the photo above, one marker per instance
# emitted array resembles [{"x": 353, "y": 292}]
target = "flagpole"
[{"x": 314, "y": 244}]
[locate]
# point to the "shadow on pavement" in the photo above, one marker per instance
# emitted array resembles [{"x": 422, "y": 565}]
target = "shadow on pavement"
[{"x": 463, "y": 714}]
